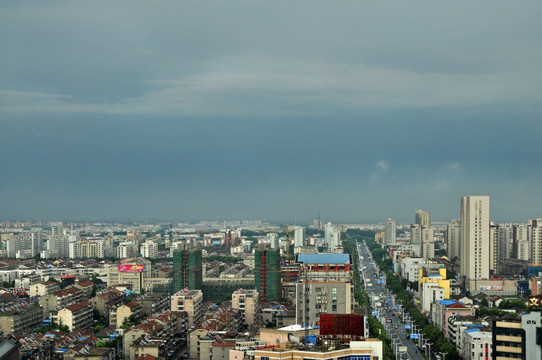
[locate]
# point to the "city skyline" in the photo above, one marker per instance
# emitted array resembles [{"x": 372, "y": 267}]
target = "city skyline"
[{"x": 355, "y": 111}]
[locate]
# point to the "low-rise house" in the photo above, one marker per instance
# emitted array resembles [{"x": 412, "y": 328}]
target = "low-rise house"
[{"x": 96, "y": 354}]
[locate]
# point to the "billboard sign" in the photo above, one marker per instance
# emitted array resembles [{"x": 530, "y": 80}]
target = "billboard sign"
[{"x": 131, "y": 268}]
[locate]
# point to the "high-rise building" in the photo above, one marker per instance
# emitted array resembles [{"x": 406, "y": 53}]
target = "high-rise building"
[
  {"x": 474, "y": 237},
  {"x": 187, "y": 269},
  {"x": 415, "y": 234},
  {"x": 36, "y": 242},
  {"x": 247, "y": 302},
  {"x": 332, "y": 237},
  {"x": 428, "y": 242},
  {"x": 535, "y": 240},
  {"x": 391, "y": 232},
  {"x": 299, "y": 236},
  {"x": 267, "y": 274},
  {"x": 325, "y": 286},
  {"x": 423, "y": 218},
  {"x": 521, "y": 247},
  {"x": 453, "y": 233},
  {"x": 149, "y": 249}
]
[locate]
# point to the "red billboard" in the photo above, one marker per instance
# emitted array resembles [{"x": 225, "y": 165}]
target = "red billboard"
[
  {"x": 341, "y": 324},
  {"x": 131, "y": 268}
]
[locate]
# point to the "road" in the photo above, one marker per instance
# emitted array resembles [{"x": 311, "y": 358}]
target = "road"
[{"x": 385, "y": 306}]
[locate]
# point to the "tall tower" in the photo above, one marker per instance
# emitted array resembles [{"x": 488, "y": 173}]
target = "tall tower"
[
  {"x": 453, "y": 235},
  {"x": 267, "y": 274},
  {"x": 187, "y": 270},
  {"x": 428, "y": 242},
  {"x": 390, "y": 232},
  {"x": 474, "y": 237},
  {"x": 534, "y": 233},
  {"x": 423, "y": 218},
  {"x": 299, "y": 236}
]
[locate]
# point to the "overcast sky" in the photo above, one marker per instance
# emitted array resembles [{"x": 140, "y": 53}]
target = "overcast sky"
[{"x": 272, "y": 110}]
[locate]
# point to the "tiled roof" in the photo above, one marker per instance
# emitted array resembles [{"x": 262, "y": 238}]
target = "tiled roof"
[
  {"x": 78, "y": 306},
  {"x": 85, "y": 283}
]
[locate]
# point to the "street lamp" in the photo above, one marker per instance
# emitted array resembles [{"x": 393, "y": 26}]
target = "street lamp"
[{"x": 443, "y": 354}]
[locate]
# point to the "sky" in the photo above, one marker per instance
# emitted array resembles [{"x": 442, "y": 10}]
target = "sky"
[{"x": 274, "y": 110}]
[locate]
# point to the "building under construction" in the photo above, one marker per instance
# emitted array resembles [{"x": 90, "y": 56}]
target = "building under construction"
[
  {"x": 187, "y": 270},
  {"x": 267, "y": 274}
]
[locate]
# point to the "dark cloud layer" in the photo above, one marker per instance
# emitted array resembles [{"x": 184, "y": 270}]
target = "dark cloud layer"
[{"x": 276, "y": 110}]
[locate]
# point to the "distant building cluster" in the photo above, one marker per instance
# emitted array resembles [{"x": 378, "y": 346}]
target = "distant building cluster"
[{"x": 251, "y": 290}]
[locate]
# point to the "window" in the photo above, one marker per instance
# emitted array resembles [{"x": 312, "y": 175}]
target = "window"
[
  {"x": 333, "y": 307},
  {"x": 318, "y": 289},
  {"x": 334, "y": 290},
  {"x": 334, "y": 299}
]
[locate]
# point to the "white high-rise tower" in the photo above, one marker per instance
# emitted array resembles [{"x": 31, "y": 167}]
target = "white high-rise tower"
[
  {"x": 475, "y": 242},
  {"x": 391, "y": 232}
]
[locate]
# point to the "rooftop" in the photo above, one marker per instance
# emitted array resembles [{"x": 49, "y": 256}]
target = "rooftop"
[{"x": 324, "y": 258}]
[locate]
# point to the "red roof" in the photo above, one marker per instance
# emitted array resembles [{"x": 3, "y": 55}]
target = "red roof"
[
  {"x": 78, "y": 306},
  {"x": 85, "y": 283},
  {"x": 131, "y": 304},
  {"x": 456, "y": 306},
  {"x": 146, "y": 357}
]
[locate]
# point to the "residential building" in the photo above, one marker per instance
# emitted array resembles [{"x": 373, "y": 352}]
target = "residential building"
[
  {"x": 534, "y": 232},
  {"x": 77, "y": 316},
  {"x": 247, "y": 302},
  {"x": 299, "y": 236},
  {"x": 444, "y": 309},
  {"x": 21, "y": 318},
  {"x": 428, "y": 242},
  {"x": 45, "y": 288},
  {"x": 453, "y": 239},
  {"x": 149, "y": 249},
  {"x": 430, "y": 293},
  {"x": 332, "y": 237},
  {"x": 190, "y": 301},
  {"x": 325, "y": 286},
  {"x": 474, "y": 217},
  {"x": 477, "y": 345},
  {"x": 423, "y": 218},
  {"x": 125, "y": 312},
  {"x": 391, "y": 232},
  {"x": 410, "y": 268},
  {"x": 521, "y": 248}
]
